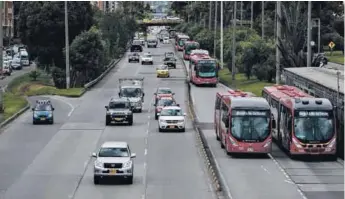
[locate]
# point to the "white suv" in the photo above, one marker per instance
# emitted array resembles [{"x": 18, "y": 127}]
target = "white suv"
[
  {"x": 114, "y": 159},
  {"x": 171, "y": 118}
]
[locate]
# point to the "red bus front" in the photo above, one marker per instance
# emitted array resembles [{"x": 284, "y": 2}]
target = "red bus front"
[
  {"x": 249, "y": 132},
  {"x": 313, "y": 133},
  {"x": 203, "y": 72}
]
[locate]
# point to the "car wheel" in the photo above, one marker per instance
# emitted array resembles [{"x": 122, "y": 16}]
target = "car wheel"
[
  {"x": 96, "y": 179},
  {"x": 152, "y": 63},
  {"x": 140, "y": 110},
  {"x": 107, "y": 122},
  {"x": 159, "y": 129},
  {"x": 142, "y": 63},
  {"x": 52, "y": 122},
  {"x": 130, "y": 180},
  {"x": 156, "y": 117},
  {"x": 34, "y": 122},
  {"x": 130, "y": 123},
  {"x": 183, "y": 130}
]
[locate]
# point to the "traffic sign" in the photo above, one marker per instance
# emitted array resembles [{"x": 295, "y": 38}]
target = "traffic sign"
[{"x": 331, "y": 44}]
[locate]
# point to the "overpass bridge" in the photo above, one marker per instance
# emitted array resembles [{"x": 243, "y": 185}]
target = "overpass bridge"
[{"x": 161, "y": 22}]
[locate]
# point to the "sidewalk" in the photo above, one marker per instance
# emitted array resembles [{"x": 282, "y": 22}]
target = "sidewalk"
[{"x": 335, "y": 66}]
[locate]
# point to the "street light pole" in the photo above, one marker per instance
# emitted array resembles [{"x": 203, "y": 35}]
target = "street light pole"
[
  {"x": 210, "y": 16},
  {"x": 67, "y": 48},
  {"x": 233, "y": 56},
  {"x": 263, "y": 19},
  {"x": 319, "y": 37},
  {"x": 215, "y": 29},
  {"x": 309, "y": 35},
  {"x": 251, "y": 14},
  {"x": 221, "y": 35}
]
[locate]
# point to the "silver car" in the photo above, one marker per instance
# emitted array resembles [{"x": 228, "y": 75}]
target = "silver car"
[{"x": 114, "y": 159}]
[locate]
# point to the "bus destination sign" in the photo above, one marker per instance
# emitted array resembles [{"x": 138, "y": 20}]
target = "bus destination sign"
[
  {"x": 249, "y": 113},
  {"x": 313, "y": 114},
  {"x": 207, "y": 61}
]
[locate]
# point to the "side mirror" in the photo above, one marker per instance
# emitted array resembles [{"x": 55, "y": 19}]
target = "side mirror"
[
  {"x": 177, "y": 104},
  {"x": 153, "y": 104},
  {"x": 53, "y": 109},
  {"x": 32, "y": 109},
  {"x": 133, "y": 155},
  {"x": 155, "y": 93},
  {"x": 143, "y": 94},
  {"x": 173, "y": 93},
  {"x": 158, "y": 114},
  {"x": 184, "y": 114},
  {"x": 273, "y": 124},
  {"x": 94, "y": 155},
  {"x": 106, "y": 107},
  {"x": 119, "y": 94}
]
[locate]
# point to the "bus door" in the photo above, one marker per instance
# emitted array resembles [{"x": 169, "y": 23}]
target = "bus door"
[
  {"x": 285, "y": 126},
  {"x": 224, "y": 123},
  {"x": 217, "y": 115}
]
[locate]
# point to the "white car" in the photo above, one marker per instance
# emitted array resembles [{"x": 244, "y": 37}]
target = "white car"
[
  {"x": 16, "y": 63},
  {"x": 147, "y": 58},
  {"x": 171, "y": 118},
  {"x": 114, "y": 159},
  {"x": 166, "y": 40}
]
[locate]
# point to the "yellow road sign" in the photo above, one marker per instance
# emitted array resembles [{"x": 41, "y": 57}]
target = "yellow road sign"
[{"x": 331, "y": 44}]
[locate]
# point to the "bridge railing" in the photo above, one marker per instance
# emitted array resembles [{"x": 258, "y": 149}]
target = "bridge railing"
[{"x": 161, "y": 21}]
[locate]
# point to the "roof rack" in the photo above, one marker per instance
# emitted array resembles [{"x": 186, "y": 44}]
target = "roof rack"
[
  {"x": 237, "y": 93},
  {"x": 43, "y": 102}
]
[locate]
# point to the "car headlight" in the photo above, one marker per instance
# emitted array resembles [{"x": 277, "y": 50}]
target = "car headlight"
[
  {"x": 35, "y": 115},
  {"x": 98, "y": 164},
  {"x": 127, "y": 164},
  {"x": 162, "y": 121},
  {"x": 50, "y": 115},
  {"x": 108, "y": 113}
]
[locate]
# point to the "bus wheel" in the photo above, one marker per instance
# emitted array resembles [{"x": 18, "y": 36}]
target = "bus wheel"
[
  {"x": 217, "y": 136},
  {"x": 221, "y": 144},
  {"x": 332, "y": 158}
]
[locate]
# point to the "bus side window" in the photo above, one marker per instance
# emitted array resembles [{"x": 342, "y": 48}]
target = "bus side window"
[
  {"x": 225, "y": 117},
  {"x": 217, "y": 106},
  {"x": 289, "y": 121}
]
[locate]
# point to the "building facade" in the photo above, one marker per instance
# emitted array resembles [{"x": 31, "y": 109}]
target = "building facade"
[
  {"x": 106, "y": 6},
  {"x": 7, "y": 18}
]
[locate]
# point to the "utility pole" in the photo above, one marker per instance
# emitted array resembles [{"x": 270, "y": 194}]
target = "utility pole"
[
  {"x": 262, "y": 19},
  {"x": 67, "y": 47},
  {"x": 309, "y": 35},
  {"x": 210, "y": 16},
  {"x": 2, "y": 47},
  {"x": 233, "y": 57},
  {"x": 251, "y": 14},
  {"x": 278, "y": 35},
  {"x": 221, "y": 35},
  {"x": 215, "y": 29},
  {"x": 241, "y": 13}
]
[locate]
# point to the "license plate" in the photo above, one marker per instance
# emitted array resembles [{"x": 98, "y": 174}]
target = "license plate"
[
  {"x": 250, "y": 150},
  {"x": 118, "y": 119},
  {"x": 112, "y": 170},
  {"x": 171, "y": 127},
  {"x": 42, "y": 119}
]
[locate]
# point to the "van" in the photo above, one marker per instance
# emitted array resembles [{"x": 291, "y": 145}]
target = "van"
[{"x": 24, "y": 58}]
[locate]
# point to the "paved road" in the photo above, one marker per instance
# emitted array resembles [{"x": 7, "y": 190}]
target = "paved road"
[
  {"x": 54, "y": 161},
  {"x": 15, "y": 73},
  {"x": 335, "y": 66},
  {"x": 267, "y": 178}
]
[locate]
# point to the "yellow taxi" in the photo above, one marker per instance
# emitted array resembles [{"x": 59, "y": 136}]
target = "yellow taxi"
[{"x": 162, "y": 71}]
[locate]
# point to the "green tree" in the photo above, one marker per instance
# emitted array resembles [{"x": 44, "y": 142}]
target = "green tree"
[
  {"x": 41, "y": 27},
  {"x": 86, "y": 57}
]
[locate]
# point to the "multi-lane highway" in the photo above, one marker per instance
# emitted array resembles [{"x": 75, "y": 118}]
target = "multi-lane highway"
[
  {"x": 266, "y": 178},
  {"x": 54, "y": 161}
]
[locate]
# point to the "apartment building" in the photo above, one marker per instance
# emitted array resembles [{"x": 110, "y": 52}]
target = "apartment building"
[{"x": 7, "y": 18}]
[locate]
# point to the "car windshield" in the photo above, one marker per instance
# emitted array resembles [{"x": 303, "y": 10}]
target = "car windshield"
[
  {"x": 313, "y": 126},
  {"x": 250, "y": 125},
  {"x": 171, "y": 112},
  {"x": 131, "y": 92},
  {"x": 163, "y": 67},
  {"x": 113, "y": 152},
  {"x": 116, "y": 105},
  {"x": 165, "y": 102},
  {"x": 135, "y": 54},
  {"x": 24, "y": 57},
  {"x": 147, "y": 56},
  {"x": 43, "y": 107},
  {"x": 164, "y": 91}
]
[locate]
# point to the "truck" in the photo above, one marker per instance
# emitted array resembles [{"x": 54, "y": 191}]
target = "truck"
[{"x": 133, "y": 89}]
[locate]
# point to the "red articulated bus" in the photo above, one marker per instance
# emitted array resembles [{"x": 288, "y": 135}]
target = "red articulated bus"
[
  {"x": 243, "y": 123},
  {"x": 203, "y": 70},
  {"x": 305, "y": 125},
  {"x": 188, "y": 47},
  {"x": 180, "y": 40}
]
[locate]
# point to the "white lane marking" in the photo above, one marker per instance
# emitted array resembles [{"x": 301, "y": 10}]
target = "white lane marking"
[
  {"x": 143, "y": 196},
  {"x": 66, "y": 102},
  {"x": 145, "y": 153},
  {"x": 288, "y": 181},
  {"x": 196, "y": 113},
  {"x": 149, "y": 117},
  {"x": 262, "y": 167},
  {"x": 146, "y": 141},
  {"x": 148, "y": 124},
  {"x": 147, "y": 132},
  {"x": 287, "y": 176}
]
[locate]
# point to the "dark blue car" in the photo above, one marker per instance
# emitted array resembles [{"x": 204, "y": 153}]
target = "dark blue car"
[{"x": 43, "y": 112}]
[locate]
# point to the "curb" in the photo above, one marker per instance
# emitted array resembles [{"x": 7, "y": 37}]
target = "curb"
[
  {"x": 15, "y": 116},
  {"x": 204, "y": 149}
]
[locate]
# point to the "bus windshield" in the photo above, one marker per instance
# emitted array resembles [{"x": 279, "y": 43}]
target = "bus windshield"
[
  {"x": 207, "y": 68},
  {"x": 250, "y": 126},
  {"x": 313, "y": 126}
]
